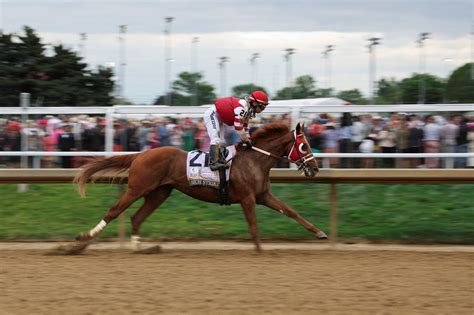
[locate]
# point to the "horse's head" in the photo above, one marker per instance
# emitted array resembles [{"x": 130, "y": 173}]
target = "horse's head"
[
  {"x": 283, "y": 143},
  {"x": 301, "y": 153}
]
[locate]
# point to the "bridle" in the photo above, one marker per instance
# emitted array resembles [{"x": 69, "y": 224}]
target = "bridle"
[
  {"x": 298, "y": 148},
  {"x": 302, "y": 156}
]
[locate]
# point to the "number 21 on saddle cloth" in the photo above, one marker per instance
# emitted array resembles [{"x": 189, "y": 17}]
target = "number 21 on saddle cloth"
[{"x": 198, "y": 171}]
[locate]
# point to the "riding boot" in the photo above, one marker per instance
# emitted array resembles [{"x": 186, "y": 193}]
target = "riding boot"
[{"x": 214, "y": 162}]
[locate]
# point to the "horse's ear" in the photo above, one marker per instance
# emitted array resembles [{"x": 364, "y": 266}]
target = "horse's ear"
[{"x": 299, "y": 128}]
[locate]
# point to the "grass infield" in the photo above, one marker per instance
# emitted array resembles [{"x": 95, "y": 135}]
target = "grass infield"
[{"x": 399, "y": 213}]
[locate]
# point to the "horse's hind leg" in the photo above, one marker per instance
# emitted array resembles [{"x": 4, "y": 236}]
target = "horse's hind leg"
[
  {"x": 274, "y": 203},
  {"x": 152, "y": 201},
  {"x": 125, "y": 201}
]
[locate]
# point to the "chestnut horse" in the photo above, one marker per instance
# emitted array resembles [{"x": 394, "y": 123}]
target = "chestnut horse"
[{"x": 153, "y": 174}]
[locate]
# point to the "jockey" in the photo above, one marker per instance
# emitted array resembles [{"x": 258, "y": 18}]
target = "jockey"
[{"x": 232, "y": 112}]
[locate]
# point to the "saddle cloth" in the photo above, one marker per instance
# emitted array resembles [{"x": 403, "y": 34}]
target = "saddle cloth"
[{"x": 198, "y": 171}]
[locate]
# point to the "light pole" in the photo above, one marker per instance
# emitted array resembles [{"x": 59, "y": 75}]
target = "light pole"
[
  {"x": 276, "y": 79},
  {"x": 168, "y": 59},
  {"x": 373, "y": 41},
  {"x": 221, "y": 64},
  {"x": 447, "y": 71},
  {"x": 472, "y": 46},
  {"x": 421, "y": 83},
  {"x": 287, "y": 56},
  {"x": 82, "y": 45},
  {"x": 194, "y": 53},
  {"x": 327, "y": 66},
  {"x": 121, "y": 78},
  {"x": 253, "y": 64}
]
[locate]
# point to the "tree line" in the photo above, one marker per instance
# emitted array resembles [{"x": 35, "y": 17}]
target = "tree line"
[{"x": 56, "y": 76}]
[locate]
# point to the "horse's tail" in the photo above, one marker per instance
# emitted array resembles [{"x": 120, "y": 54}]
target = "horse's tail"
[{"x": 116, "y": 163}]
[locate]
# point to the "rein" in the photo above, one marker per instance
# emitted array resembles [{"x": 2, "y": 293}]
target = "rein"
[
  {"x": 301, "y": 159},
  {"x": 299, "y": 163},
  {"x": 269, "y": 153}
]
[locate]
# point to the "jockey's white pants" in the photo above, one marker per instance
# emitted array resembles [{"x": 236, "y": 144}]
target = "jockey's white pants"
[{"x": 214, "y": 126}]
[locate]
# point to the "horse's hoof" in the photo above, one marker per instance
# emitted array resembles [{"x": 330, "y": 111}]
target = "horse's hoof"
[
  {"x": 83, "y": 237},
  {"x": 321, "y": 235}
]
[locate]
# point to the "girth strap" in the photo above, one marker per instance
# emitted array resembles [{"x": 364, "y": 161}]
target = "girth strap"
[
  {"x": 223, "y": 191},
  {"x": 223, "y": 185}
]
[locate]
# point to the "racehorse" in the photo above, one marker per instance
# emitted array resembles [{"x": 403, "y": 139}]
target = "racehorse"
[{"x": 155, "y": 173}]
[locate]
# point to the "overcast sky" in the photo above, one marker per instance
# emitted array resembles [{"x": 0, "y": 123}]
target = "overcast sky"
[{"x": 237, "y": 29}]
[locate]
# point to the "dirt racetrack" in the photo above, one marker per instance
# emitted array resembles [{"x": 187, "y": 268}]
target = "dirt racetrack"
[{"x": 237, "y": 282}]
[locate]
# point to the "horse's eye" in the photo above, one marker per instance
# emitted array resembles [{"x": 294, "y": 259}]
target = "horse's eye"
[{"x": 303, "y": 148}]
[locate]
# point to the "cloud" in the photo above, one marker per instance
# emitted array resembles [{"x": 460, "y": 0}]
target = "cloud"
[
  {"x": 145, "y": 57},
  {"x": 238, "y": 28}
]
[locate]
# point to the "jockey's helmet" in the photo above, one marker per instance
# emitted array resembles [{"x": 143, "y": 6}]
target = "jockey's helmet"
[{"x": 258, "y": 99}]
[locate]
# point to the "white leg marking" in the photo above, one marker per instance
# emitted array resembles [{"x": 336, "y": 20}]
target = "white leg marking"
[
  {"x": 135, "y": 240},
  {"x": 99, "y": 227}
]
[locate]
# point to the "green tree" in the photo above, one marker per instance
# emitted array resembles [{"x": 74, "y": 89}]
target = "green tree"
[
  {"x": 183, "y": 90},
  {"x": 57, "y": 80},
  {"x": 325, "y": 92},
  {"x": 388, "y": 91},
  {"x": 284, "y": 93},
  {"x": 460, "y": 86},
  {"x": 245, "y": 89},
  {"x": 354, "y": 96},
  {"x": 305, "y": 87},
  {"x": 410, "y": 89}
]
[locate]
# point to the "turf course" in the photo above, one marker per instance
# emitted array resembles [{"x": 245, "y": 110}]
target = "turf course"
[{"x": 401, "y": 213}]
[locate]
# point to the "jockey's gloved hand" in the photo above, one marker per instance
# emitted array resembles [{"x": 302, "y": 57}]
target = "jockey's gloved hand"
[{"x": 248, "y": 143}]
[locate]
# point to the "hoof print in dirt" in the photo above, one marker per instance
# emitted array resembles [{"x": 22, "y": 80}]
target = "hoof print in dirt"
[
  {"x": 149, "y": 251},
  {"x": 70, "y": 249}
]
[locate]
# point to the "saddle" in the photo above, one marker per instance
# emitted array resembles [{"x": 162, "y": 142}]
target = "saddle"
[{"x": 199, "y": 173}]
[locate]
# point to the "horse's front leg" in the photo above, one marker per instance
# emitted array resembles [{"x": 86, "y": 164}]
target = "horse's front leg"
[
  {"x": 269, "y": 200},
  {"x": 248, "y": 205}
]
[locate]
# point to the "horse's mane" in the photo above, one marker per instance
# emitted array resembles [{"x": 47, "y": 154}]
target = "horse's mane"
[{"x": 269, "y": 130}]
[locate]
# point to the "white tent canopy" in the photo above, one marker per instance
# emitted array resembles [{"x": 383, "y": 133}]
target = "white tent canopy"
[{"x": 310, "y": 102}]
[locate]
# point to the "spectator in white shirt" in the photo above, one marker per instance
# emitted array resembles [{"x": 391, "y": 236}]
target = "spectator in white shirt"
[
  {"x": 448, "y": 134},
  {"x": 431, "y": 140}
]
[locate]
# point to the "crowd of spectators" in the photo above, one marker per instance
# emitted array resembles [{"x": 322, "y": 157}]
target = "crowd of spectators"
[
  {"x": 347, "y": 133},
  {"x": 396, "y": 133}
]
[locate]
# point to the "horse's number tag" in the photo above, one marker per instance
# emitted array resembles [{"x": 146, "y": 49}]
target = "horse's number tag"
[
  {"x": 198, "y": 171},
  {"x": 193, "y": 162}
]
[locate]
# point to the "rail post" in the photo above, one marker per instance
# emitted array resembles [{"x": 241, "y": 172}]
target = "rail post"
[
  {"x": 333, "y": 214},
  {"x": 109, "y": 130},
  {"x": 121, "y": 219},
  {"x": 24, "y": 104}
]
